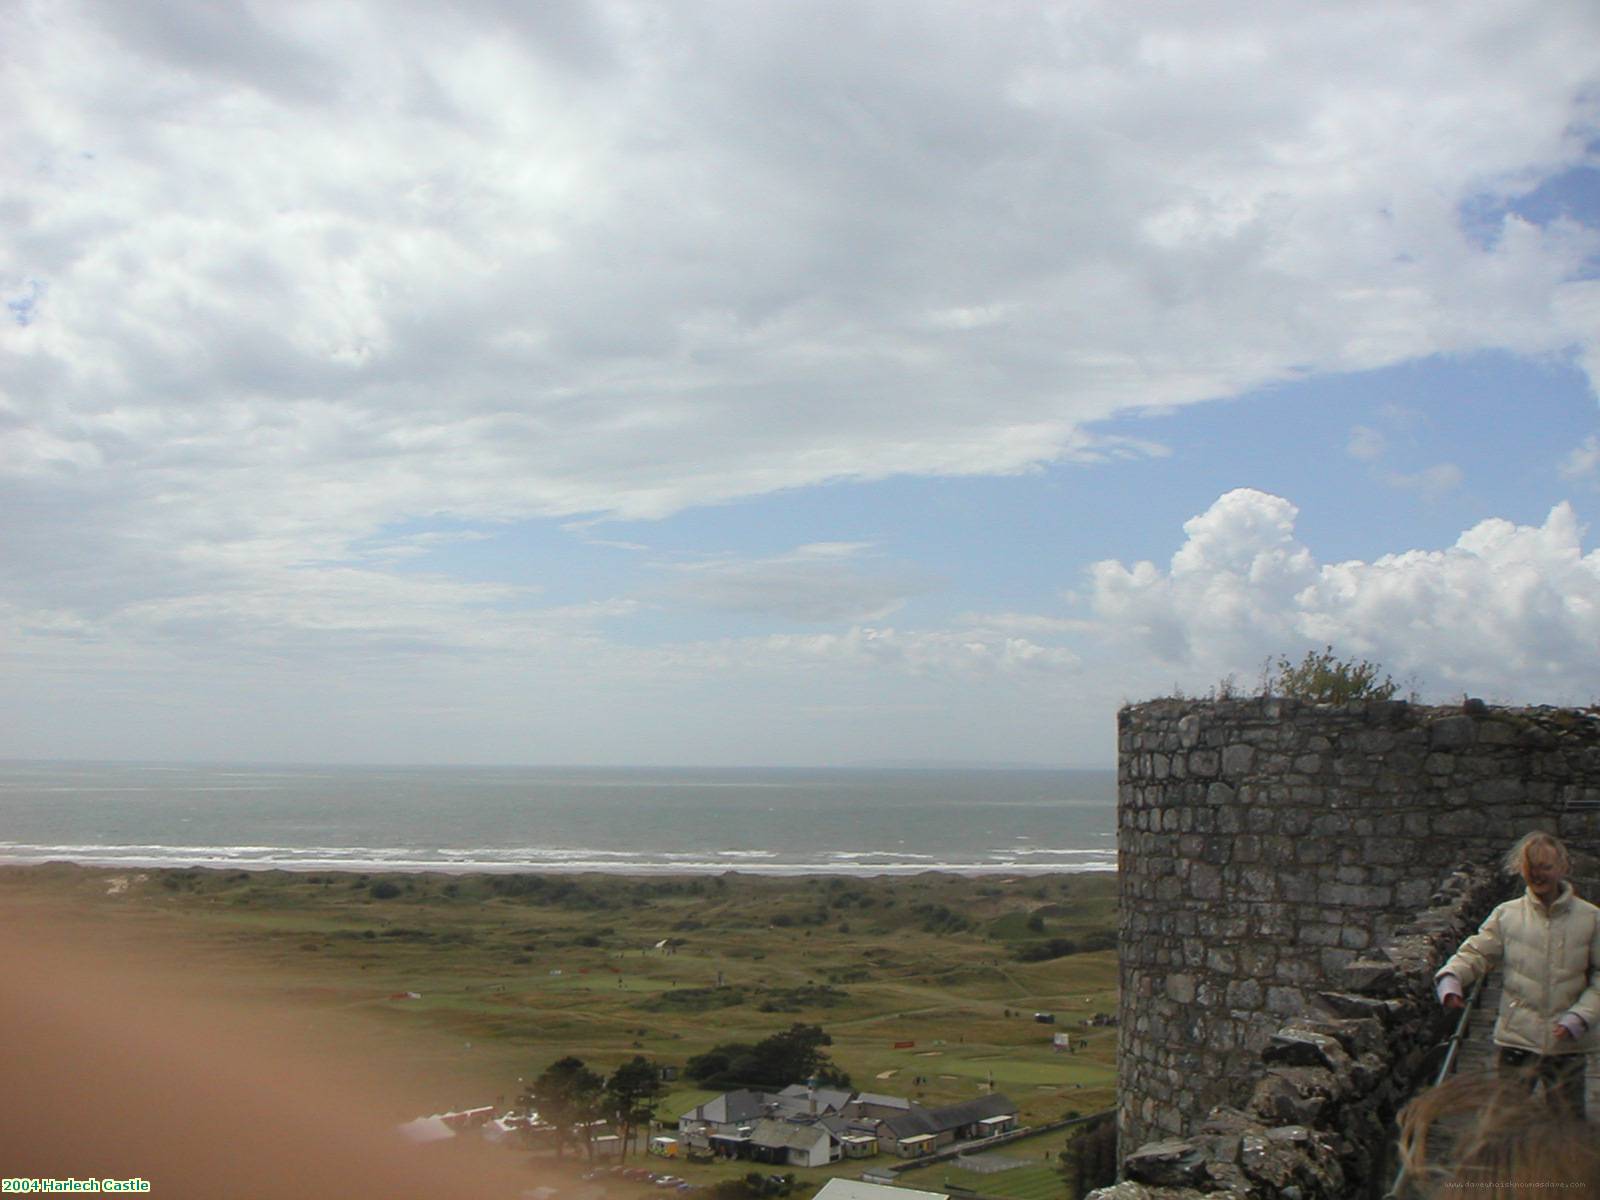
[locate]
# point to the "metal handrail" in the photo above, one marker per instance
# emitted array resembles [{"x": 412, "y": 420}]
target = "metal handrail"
[{"x": 1453, "y": 1047}]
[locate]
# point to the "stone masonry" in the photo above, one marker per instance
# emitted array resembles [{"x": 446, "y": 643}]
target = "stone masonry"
[
  {"x": 1327, "y": 1087},
  {"x": 1265, "y": 844}
]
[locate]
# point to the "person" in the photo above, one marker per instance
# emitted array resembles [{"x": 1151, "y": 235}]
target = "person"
[{"x": 1549, "y": 942}]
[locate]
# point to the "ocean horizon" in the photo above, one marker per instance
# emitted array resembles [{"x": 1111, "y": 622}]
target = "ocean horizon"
[{"x": 622, "y": 820}]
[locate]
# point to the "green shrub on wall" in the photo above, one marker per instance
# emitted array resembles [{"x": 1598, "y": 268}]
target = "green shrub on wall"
[{"x": 1324, "y": 678}]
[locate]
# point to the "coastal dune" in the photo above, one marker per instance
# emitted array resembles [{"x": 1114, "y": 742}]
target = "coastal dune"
[{"x": 234, "y": 1033}]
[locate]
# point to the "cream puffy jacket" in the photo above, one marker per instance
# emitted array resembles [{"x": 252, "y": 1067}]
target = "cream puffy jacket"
[{"x": 1551, "y": 956}]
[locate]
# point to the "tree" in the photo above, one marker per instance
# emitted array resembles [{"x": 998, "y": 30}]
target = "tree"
[
  {"x": 631, "y": 1095},
  {"x": 1326, "y": 679},
  {"x": 1090, "y": 1159},
  {"x": 793, "y": 1056},
  {"x": 566, "y": 1094},
  {"x": 716, "y": 1062}
]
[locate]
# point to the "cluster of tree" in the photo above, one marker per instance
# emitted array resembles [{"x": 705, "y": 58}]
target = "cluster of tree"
[
  {"x": 1090, "y": 1159},
  {"x": 1060, "y": 947},
  {"x": 540, "y": 889},
  {"x": 807, "y": 995},
  {"x": 785, "y": 920},
  {"x": 793, "y": 1056},
  {"x": 937, "y": 918},
  {"x": 698, "y": 999},
  {"x": 568, "y": 1095}
]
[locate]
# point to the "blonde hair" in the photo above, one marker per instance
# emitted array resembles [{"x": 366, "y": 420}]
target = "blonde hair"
[
  {"x": 1499, "y": 1137},
  {"x": 1517, "y": 856}
]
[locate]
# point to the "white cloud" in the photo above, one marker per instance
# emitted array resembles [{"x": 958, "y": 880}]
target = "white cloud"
[
  {"x": 283, "y": 279},
  {"x": 1229, "y": 588},
  {"x": 415, "y": 545},
  {"x": 326, "y": 268},
  {"x": 1509, "y": 611},
  {"x": 820, "y": 582},
  {"x": 1431, "y": 482},
  {"x": 1366, "y": 444},
  {"x": 1371, "y": 446},
  {"x": 1031, "y": 624},
  {"x": 1584, "y": 460},
  {"x": 960, "y": 653}
]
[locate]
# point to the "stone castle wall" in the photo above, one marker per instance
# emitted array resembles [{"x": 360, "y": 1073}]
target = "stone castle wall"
[
  {"x": 1326, "y": 1089},
  {"x": 1265, "y": 844}
]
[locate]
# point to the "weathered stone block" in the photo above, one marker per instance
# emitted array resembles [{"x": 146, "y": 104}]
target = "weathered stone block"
[
  {"x": 1411, "y": 893},
  {"x": 1261, "y": 818},
  {"x": 1368, "y": 977},
  {"x": 1453, "y": 732},
  {"x": 1375, "y": 742},
  {"x": 1374, "y": 896},
  {"x": 1227, "y": 1180},
  {"x": 1223, "y": 926},
  {"x": 1497, "y": 733},
  {"x": 1496, "y": 791},
  {"x": 1313, "y": 851},
  {"x": 1267, "y": 1163},
  {"x": 1237, "y": 760},
  {"x": 1272, "y": 921},
  {"x": 1358, "y": 1035},
  {"x": 1319, "y": 935},
  {"x": 1166, "y": 1164},
  {"x": 1292, "y": 1095},
  {"x": 1244, "y": 993},
  {"x": 1298, "y": 1046},
  {"x": 1258, "y": 883},
  {"x": 1128, "y": 1190},
  {"x": 1284, "y": 1001},
  {"x": 1297, "y": 887},
  {"x": 1334, "y": 960},
  {"x": 1353, "y": 937}
]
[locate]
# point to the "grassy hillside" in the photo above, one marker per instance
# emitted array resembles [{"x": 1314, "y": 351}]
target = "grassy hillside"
[{"x": 512, "y": 971}]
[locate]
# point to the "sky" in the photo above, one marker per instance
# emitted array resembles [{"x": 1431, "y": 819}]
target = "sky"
[{"x": 773, "y": 383}]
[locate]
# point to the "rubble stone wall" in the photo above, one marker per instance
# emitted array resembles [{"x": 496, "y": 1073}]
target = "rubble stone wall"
[
  {"x": 1266, "y": 844},
  {"x": 1323, "y": 1092}
]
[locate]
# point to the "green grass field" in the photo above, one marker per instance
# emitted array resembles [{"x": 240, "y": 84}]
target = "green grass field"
[{"x": 512, "y": 972}]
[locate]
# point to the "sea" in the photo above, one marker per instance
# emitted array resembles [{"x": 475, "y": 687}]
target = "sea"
[{"x": 634, "y": 820}]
